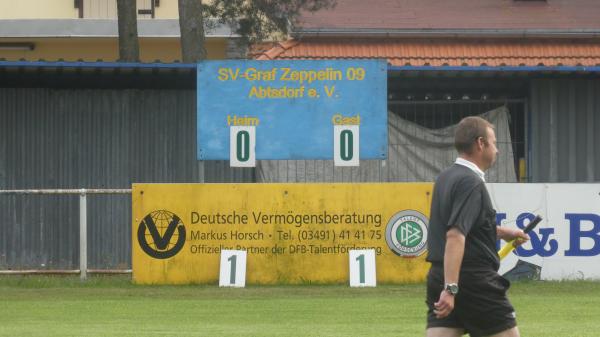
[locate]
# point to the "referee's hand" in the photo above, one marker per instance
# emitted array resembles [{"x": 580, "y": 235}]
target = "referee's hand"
[
  {"x": 520, "y": 237},
  {"x": 445, "y": 305},
  {"x": 510, "y": 234}
]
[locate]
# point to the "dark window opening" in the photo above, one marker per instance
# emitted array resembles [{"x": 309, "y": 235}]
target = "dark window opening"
[{"x": 440, "y": 102}]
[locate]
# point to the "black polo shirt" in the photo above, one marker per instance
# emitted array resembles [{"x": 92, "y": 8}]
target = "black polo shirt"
[{"x": 460, "y": 200}]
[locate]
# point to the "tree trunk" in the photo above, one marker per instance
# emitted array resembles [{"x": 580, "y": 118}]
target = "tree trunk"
[
  {"x": 191, "y": 26},
  {"x": 129, "y": 49}
]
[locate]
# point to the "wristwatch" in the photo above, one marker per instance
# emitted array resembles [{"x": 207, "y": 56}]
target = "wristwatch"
[{"x": 451, "y": 288}]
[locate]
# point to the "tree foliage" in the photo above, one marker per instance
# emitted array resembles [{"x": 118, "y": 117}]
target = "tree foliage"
[
  {"x": 257, "y": 20},
  {"x": 252, "y": 20}
]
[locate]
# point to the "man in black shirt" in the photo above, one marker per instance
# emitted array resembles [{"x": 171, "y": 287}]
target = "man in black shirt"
[{"x": 465, "y": 293}]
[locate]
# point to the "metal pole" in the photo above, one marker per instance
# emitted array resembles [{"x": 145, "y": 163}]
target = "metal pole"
[{"x": 83, "y": 234}]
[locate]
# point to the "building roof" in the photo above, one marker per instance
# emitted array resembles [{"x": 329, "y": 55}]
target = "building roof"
[
  {"x": 455, "y": 52},
  {"x": 97, "y": 75},
  {"x": 29, "y": 28},
  {"x": 455, "y": 18}
]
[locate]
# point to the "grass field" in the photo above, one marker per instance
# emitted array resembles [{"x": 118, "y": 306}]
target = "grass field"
[{"x": 111, "y": 306}]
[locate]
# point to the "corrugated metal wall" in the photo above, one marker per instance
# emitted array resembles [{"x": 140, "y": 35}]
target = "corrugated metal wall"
[
  {"x": 565, "y": 119},
  {"x": 111, "y": 138},
  {"x": 90, "y": 139}
]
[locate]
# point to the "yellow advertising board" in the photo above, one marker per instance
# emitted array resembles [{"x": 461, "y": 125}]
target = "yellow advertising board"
[{"x": 292, "y": 233}]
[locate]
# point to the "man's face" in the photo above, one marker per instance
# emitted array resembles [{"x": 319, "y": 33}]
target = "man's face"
[{"x": 489, "y": 149}]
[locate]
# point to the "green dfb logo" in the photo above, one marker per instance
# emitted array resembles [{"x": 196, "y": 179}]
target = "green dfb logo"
[{"x": 406, "y": 233}]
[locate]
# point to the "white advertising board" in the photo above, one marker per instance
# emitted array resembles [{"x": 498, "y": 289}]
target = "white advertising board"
[{"x": 566, "y": 244}]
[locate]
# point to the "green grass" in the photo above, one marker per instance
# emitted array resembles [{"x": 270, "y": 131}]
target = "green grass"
[{"x": 111, "y": 306}]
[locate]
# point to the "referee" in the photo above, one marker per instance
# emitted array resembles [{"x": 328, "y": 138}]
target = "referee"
[{"x": 465, "y": 293}]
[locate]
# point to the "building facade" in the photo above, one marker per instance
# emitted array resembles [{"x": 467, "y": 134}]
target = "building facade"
[{"x": 86, "y": 30}]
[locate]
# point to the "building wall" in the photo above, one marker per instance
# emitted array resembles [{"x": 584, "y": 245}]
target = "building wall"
[
  {"x": 169, "y": 9},
  {"x": 69, "y": 45},
  {"x": 65, "y": 9},
  {"x": 106, "y": 49},
  {"x": 565, "y": 119},
  {"x": 87, "y": 138},
  {"x": 46, "y": 9},
  {"x": 107, "y": 9}
]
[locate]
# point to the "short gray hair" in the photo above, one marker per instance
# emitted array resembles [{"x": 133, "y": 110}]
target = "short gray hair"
[{"x": 468, "y": 130}]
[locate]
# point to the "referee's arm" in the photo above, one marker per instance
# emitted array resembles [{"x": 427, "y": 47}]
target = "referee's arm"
[{"x": 453, "y": 256}]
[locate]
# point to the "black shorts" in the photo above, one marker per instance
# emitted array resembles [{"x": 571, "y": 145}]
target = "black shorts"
[{"x": 481, "y": 306}]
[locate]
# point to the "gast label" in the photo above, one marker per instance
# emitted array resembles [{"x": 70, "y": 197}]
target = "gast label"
[{"x": 406, "y": 233}]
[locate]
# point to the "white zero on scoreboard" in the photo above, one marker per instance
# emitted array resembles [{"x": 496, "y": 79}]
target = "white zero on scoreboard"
[
  {"x": 346, "y": 145},
  {"x": 242, "y": 146}
]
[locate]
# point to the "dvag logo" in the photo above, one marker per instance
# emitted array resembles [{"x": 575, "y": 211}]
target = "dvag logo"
[{"x": 161, "y": 234}]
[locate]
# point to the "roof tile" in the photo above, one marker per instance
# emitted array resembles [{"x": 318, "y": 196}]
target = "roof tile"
[
  {"x": 437, "y": 53},
  {"x": 456, "y": 14}
]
